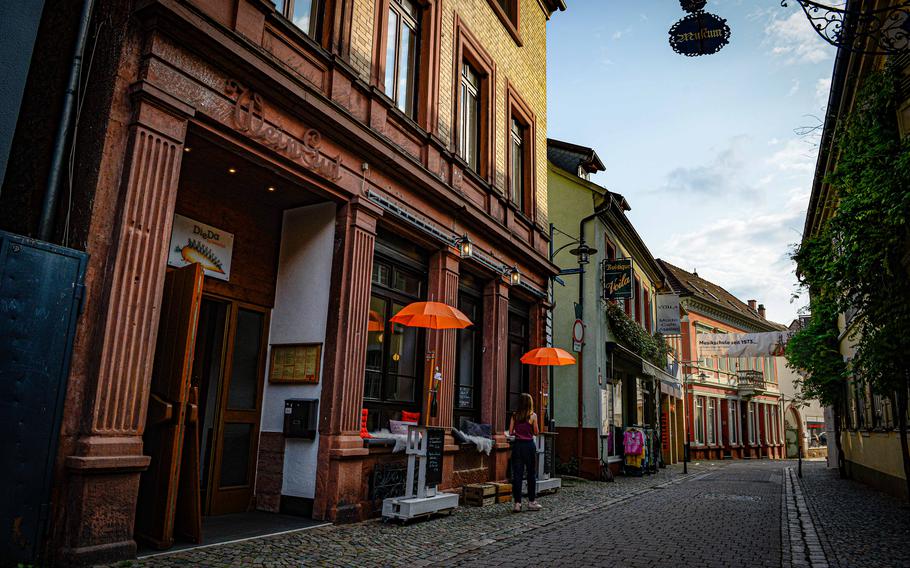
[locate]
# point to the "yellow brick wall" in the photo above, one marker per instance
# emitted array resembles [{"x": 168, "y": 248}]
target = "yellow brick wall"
[{"x": 524, "y": 67}]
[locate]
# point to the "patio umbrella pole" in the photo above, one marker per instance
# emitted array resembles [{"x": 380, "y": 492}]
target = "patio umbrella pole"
[{"x": 430, "y": 363}]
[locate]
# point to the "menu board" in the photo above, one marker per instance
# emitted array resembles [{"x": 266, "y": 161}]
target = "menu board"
[
  {"x": 435, "y": 442},
  {"x": 548, "y": 450},
  {"x": 295, "y": 363}
]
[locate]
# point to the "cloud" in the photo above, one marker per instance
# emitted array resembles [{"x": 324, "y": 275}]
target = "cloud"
[
  {"x": 749, "y": 256},
  {"x": 794, "y": 88},
  {"x": 796, "y": 155},
  {"x": 794, "y": 40},
  {"x": 722, "y": 174},
  {"x": 822, "y": 89}
]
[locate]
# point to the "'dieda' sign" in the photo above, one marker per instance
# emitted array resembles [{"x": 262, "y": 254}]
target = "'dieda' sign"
[
  {"x": 192, "y": 241},
  {"x": 617, "y": 278}
]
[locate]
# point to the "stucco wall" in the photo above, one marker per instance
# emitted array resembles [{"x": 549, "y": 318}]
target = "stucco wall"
[{"x": 299, "y": 316}]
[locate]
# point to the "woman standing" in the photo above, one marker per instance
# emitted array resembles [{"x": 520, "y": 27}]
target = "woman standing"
[{"x": 523, "y": 427}]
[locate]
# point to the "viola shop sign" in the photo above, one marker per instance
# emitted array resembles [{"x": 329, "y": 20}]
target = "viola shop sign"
[
  {"x": 192, "y": 241},
  {"x": 617, "y": 279},
  {"x": 249, "y": 117},
  {"x": 668, "y": 314}
]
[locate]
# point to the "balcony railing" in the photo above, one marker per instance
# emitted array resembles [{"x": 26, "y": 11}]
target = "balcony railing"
[{"x": 750, "y": 379}]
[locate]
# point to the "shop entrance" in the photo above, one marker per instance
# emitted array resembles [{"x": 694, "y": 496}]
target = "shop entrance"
[{"x": 205, "y": 409}]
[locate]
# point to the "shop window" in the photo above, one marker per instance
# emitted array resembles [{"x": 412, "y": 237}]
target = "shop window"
[
  {"x": 699, "y": 420},
  {"x": 305, "y": 14},
  {"x": 712, "y": 421},
  {"x": 402, "y": 49},
  {"x": 394, "y": 362},
  {"x": 507, "y": 11},
  {"x": 518, "y": 380},
  {"x": 469, "y": 360}
]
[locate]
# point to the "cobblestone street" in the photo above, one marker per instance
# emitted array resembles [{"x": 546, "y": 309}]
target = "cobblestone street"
[{"x": 748, "y": 513}]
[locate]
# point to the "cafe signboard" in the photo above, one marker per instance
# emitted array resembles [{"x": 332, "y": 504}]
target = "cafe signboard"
[{"x": 617, "y": 279}]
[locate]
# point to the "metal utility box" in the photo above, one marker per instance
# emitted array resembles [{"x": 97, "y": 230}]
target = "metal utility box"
[{"x": 300, "y": 416}]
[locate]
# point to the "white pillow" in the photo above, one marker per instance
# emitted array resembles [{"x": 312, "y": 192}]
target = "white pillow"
[{"x": 400, "y": 426}]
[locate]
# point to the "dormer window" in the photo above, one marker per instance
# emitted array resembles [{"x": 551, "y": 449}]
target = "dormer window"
[{"x": 583, "y": 173}]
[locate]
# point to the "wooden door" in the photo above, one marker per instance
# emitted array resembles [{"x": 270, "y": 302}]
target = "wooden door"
[
  {"x": 237, "y": 421},
  {"x": 167, "y": 409}
]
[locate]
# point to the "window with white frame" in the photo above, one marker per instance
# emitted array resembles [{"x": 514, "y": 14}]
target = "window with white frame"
[
  {"x": 750, "y": 407},
  {"x": 734, "y": 421},
  {"x": 469, "y": 139},
  {"x": 699, "y": 420},
  {"x": 766, "y": 429},
  {"x": 712, "y": 421},
  {"x": 401, "y": 55}
]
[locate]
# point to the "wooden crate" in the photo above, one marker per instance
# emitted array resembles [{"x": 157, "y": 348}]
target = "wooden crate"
[
  {"x": 480, "y": 502},
  {"x": 507, "y": 498},
  {"x": 479, "y": 491},
  {"x": 503, "y": 488}
]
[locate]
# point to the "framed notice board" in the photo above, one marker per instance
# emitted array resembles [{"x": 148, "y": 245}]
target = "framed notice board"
[{"x": 295, "y": 363}]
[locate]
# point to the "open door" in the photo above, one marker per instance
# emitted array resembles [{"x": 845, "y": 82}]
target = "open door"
[
  {"x": 169, "y": 408},
  {"x": 236, "y": 437}
]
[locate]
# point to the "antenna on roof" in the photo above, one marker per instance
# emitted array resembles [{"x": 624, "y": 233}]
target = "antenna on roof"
[{"x": 695, "y": 272}]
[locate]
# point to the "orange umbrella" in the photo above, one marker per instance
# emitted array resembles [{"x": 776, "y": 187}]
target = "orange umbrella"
[
  {"x": 547, "y": 356},
  {"x": 434, "y": 315},
  {"x": 375, "y": 322}
]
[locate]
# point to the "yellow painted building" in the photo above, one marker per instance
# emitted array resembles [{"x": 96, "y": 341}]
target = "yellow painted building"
[{"x": 869, "y": 440}]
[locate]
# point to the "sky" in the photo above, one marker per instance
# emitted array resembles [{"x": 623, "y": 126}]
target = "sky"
[{"x": 705, "y": 149}]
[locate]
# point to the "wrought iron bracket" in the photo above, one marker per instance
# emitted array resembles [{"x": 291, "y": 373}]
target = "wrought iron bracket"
[{"x": 851, "y": 28}]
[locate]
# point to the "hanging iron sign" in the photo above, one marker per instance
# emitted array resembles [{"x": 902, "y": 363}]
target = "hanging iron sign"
[{"x": 699, "y": 33}]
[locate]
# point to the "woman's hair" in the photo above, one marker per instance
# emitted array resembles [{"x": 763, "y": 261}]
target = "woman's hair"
[{"x": 525, "y": 408}]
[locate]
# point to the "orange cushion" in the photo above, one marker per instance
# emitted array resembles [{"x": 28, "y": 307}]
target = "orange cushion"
[
  {"x": 363, "y": 424},
  {"x": 410, "y": 416}
]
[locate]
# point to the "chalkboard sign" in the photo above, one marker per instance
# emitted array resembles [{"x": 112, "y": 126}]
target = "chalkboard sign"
[
  {"x": 548, "y": 450},
  {"x": 435, "y": 442},
  {"x": 465, "y": 397}
]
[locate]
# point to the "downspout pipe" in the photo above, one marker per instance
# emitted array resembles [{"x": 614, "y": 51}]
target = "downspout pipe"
[
  {"x": 55, "y": 173},
  {"x": 581, "y": 314}
]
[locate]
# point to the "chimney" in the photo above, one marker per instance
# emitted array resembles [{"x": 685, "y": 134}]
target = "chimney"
[
  {"x": 761, "y": 310},
  {"x": 751, "y": 304}
]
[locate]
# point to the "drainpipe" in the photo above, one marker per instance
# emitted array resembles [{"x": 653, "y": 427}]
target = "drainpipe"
[
  {"x": 581, "y": 315},
  {"x": 55, "y": 174}
]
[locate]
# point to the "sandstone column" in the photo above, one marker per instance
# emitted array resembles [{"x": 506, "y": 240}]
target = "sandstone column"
[
  {"x": 338, "y": 479},
  {"x": 105, "y": 466}
]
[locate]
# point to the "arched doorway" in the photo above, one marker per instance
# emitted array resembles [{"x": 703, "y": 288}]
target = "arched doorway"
[{"x": 792, "y": 425}]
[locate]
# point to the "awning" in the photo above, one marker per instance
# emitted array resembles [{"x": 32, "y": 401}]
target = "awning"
[{"x": 669, "y": 384}]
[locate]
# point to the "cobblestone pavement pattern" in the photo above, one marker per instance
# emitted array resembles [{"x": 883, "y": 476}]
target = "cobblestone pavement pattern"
[
  {"x": 858, "y": 526},
  {"x": 730, "y": 514}
]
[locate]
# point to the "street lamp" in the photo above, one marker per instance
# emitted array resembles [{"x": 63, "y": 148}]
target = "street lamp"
[{"x": 465, "y": 246}]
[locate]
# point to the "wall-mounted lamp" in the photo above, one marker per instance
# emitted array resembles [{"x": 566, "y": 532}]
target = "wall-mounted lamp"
[
  {"x": 583, "y": 252},
  {"x": 465, "y": 246},
  {"x": 514, "y": 275}
]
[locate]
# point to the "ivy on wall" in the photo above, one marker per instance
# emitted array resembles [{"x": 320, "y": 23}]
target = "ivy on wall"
[
  {"x": 652, "y": 348},
  {"x": 858, "y": 261}
]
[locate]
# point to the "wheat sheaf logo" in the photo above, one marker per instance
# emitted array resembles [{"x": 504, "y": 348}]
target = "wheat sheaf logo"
[{"x": 195, "y": 251}]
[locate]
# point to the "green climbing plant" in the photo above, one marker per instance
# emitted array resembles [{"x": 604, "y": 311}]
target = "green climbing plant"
[
  {"x": 652, "y": 348},
  {"x": 860, "y": 261}
]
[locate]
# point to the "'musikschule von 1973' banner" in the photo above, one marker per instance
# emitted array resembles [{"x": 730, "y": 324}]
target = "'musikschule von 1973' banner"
[{"x": 769, "y": 344}]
